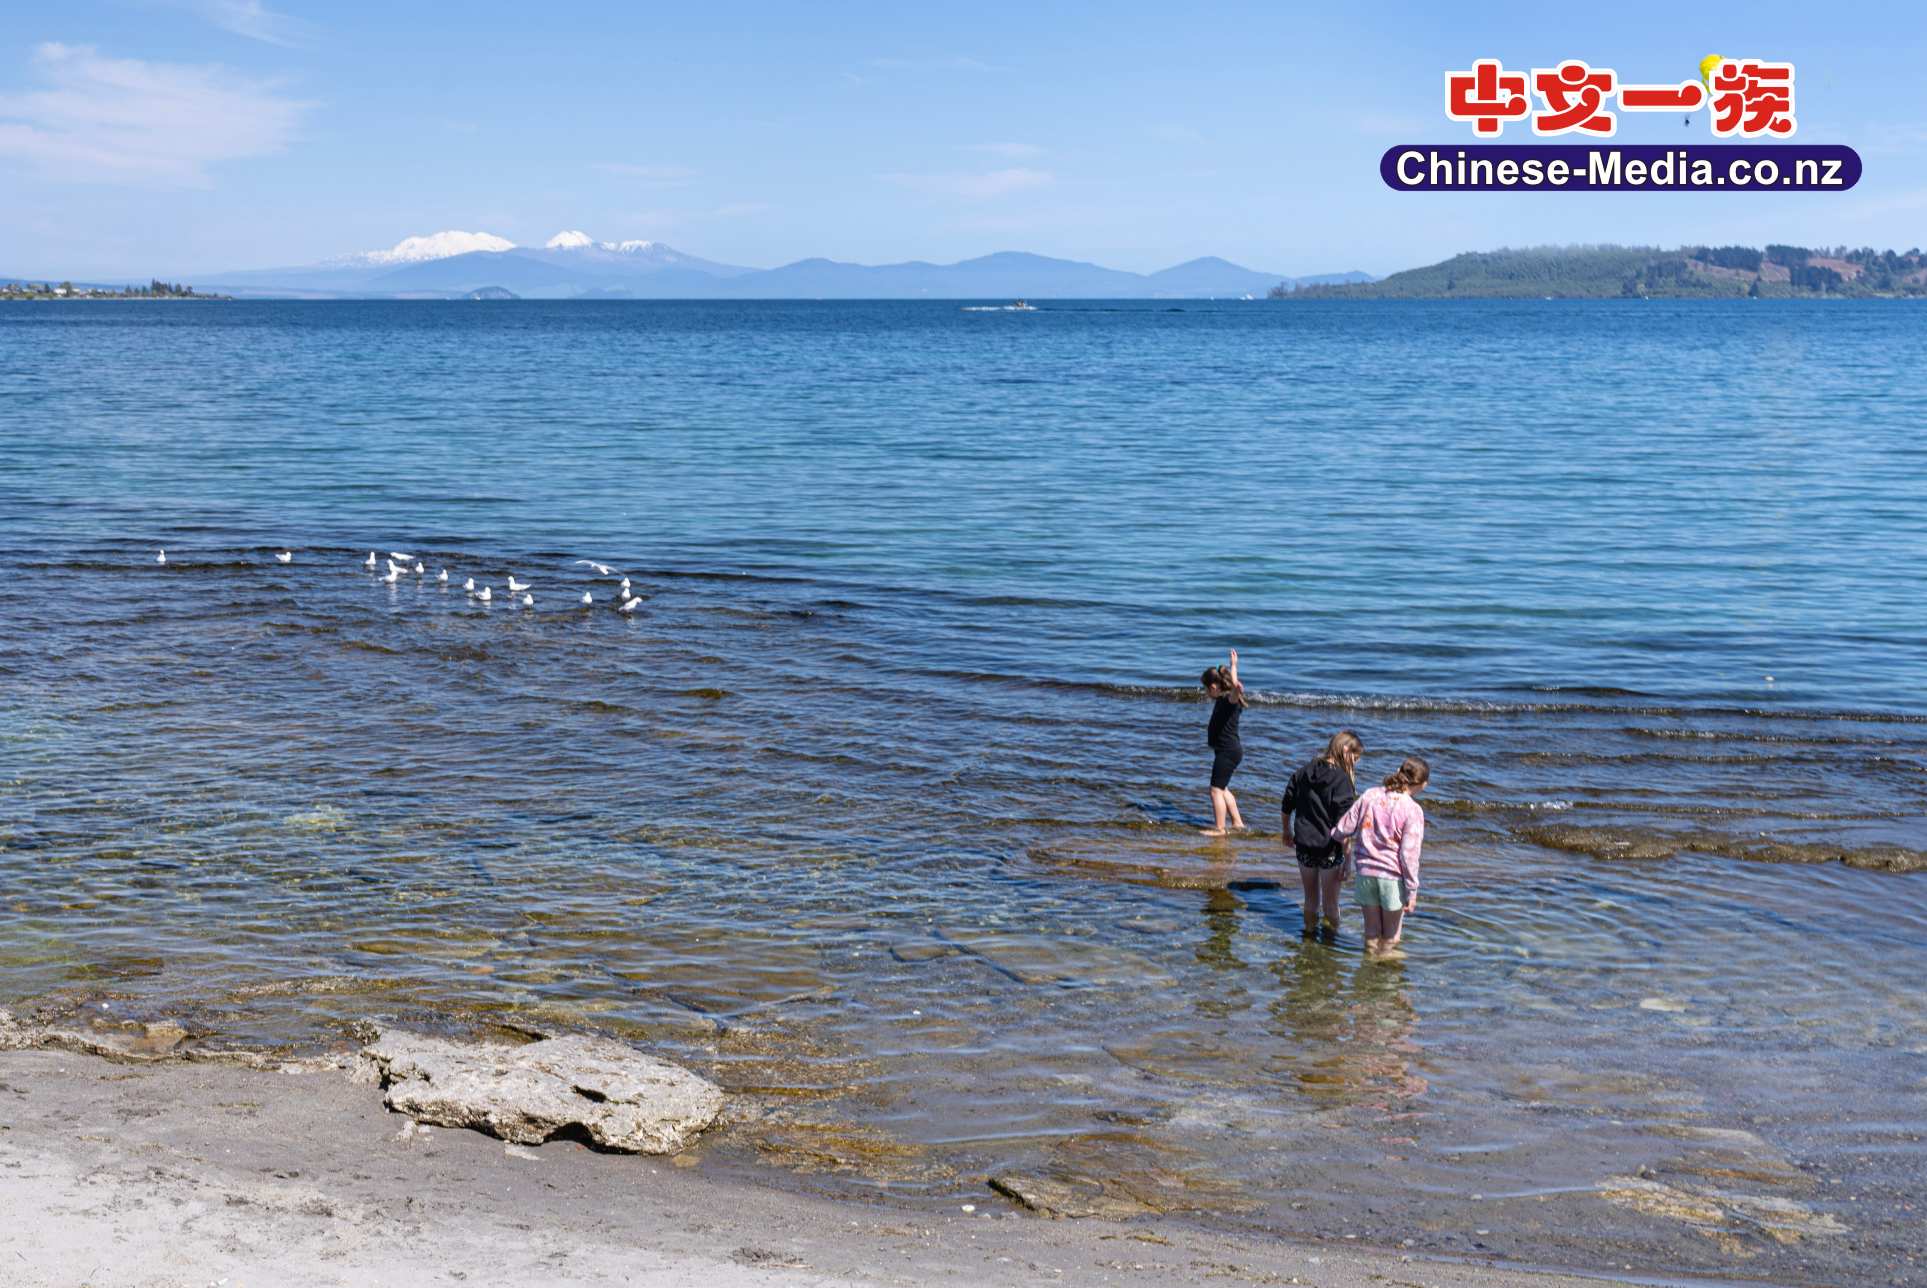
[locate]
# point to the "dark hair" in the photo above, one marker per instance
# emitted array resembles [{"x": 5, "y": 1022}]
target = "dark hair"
[
  {"x": 1343, "y": 750},
  {"x": 1216, "y": 677},
  {"x": 1412, "y": 774}
]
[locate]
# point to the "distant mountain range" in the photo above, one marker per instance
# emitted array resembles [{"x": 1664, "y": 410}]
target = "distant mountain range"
[{"x": 572, "y": 265}]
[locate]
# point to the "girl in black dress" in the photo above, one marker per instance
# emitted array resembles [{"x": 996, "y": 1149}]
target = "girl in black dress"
[
  {"x": 1221, "y": 735},
  {"x": 1317, "y": 797}
]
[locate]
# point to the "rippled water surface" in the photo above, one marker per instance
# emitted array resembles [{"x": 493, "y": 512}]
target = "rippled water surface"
[{"x": 882, "y": 807}]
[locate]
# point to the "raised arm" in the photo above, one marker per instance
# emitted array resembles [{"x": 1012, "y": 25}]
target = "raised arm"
[
  {"x": 1235, "y": 683},
  {"x": 1348, "y": 826}
]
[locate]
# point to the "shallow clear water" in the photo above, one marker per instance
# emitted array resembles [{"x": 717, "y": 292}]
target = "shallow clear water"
[{"x": 883, "y": 808}]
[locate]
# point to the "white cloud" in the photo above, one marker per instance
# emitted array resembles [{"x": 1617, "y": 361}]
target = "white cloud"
[
  {"x": 1012, "y": 151},
  {"x": 126, "y": 120},
  {"x": 254, "y": 20},
  {"x": 975, "y": 187},
  {"x": 666, "y": 176}
]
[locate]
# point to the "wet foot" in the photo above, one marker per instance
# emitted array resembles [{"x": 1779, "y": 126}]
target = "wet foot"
[{"x": 1211, "y": 831}]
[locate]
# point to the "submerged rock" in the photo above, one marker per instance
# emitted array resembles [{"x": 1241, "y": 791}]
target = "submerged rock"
[
  {"x": 1600, "y": 842},
  {"x": 1057, "y": 1198},
  {"x": 1886, "y": 858},
  {"x": 617, "y": 1097},
  {"x": 1633, "y": 843},
  {"x": 1719, "y": 1211}
]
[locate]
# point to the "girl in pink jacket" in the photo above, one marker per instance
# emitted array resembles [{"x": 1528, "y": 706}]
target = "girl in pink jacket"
[{"x": 1388, "y": 827}]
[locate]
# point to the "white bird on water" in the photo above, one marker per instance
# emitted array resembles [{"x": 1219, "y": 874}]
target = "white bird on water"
[
  {"x": 485, "y": 594},
  {"x": 444, "y": 576},
  {"x": 625, "y": 587},
  {"x": 601, "y": 569},
  {"x": 587, "y": 598},
  {"x": 401, "y": 558},
  {"x": 630, "y": 605},
  {"x": 469, "y": 585},
  {"x": 370, "y": 564},
  {"x": 516, "y": 586},
  {"x": 160, "y": 556},
  {"x": 286, "y": 556},
  {"x": 393, "y": 574},
  {"x": 528, "y": 601},
  {"x": 419, "y": 570}
]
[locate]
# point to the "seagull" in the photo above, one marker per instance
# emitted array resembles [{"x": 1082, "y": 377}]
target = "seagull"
[
  {"x": 444, "y": 576},
  {"x": 469, "y": 585},
  {"x": 160, "y": 556},
  {"x": 419, "y": 570},
  {"x": 393, "y": 573},
  {"x": 286, "y": 556},
  {"x": 400, "y": 558},
  {"x": 602, "y": 569},
  {"x": 630, "y": 605},
  {"x": 485, "y": 594},
  {"x": 625, "y": 586},
  {"x": 528, "y": 601},
  {"x": 370, "y": 565},
  {"x": 587, "y": 598},
  {"x": 515, "y": 585}
]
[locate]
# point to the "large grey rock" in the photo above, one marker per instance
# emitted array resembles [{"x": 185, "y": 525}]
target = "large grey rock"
[{"x": 620, "y": 1098}]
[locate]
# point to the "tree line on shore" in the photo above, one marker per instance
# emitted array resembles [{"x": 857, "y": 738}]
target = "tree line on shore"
[
  {"x": 1615, "y": 272},
  {"x": 155, "y": 289}
]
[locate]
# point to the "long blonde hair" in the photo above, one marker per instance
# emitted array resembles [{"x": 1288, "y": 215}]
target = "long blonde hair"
[{"x": 1343, "y": 750}]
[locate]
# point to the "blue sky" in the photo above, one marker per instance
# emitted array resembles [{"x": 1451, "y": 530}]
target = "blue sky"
[{"x": 184, "y": 136}]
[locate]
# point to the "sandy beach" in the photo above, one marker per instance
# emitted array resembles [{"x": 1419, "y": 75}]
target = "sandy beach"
[{"x": 176, "y": 1174}]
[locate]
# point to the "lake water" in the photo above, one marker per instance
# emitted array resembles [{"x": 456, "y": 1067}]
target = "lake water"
[{"x": 882, "y": 808}]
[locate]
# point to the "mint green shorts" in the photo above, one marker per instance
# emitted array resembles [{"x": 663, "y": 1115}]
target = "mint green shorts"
[{"x": 1381, "y": 892}]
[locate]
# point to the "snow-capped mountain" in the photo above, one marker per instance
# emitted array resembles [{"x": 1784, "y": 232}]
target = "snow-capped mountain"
[
  {"x": 419, "y": 250},
  {"x": 575, "y": 239}
]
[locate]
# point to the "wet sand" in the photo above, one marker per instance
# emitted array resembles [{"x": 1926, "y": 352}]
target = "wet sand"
[{"x": 178, "y": 1173}]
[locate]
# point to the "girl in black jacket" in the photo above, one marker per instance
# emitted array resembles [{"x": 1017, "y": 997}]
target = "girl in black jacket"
[{"x": 1318, "y": 796}]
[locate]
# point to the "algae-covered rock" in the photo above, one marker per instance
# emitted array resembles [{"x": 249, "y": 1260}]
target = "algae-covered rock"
[
  {"x": 1058, "y": 1198},
  {"x": 618, "y": 1097},
  {"x": 1722, "y": 1212},
  {"x": 1601, "y": 842}
]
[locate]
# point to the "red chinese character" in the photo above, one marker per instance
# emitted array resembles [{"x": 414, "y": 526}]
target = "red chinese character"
[
  {"x": 1686, "y": 96},
  {"x": 1574, "y": 94},
  {"x": 1753, "y": 98},
  {"x": 1485, "y": 96}
]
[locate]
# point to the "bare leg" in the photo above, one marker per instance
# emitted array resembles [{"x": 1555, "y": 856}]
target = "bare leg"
[
  {"x": 1231, "y": 803},
  {"x": 1392, "y": 919},
  {"x": 1330, "y": 882},
  {"x": 1218, "y": 795},
  {"x": 1308, "y": 879},
  {"x": 1374, "y": 927}
]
